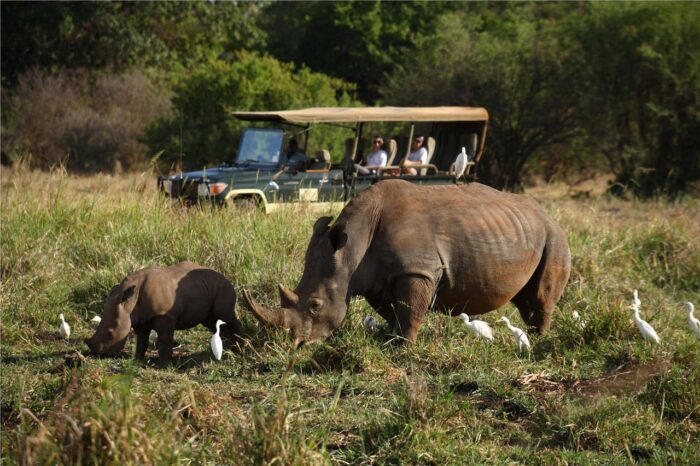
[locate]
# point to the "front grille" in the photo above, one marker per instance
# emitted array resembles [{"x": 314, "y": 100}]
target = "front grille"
[{"x": 182, "y": 187}]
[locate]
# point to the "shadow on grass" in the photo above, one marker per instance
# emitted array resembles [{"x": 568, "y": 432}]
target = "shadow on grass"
[
  {"x": 12, "y": 359},
  {"x": 326, "y": 358}
]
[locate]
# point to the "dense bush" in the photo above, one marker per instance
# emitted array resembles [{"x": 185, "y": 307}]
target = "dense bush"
[
  {"x": 84, "y": 123},
  {"x": 202, "y": 128}
]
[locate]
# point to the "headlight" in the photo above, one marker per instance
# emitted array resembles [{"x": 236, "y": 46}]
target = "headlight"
[
  {"x": 204, "y": 189},
  {"x": 217, "y": 188}
]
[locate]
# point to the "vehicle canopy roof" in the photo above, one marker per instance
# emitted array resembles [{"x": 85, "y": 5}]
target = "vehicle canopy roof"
[{"x": 367, "y": 114}]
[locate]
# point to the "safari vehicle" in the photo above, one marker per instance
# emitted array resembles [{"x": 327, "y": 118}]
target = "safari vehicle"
[{"x": 261, "y": 175}]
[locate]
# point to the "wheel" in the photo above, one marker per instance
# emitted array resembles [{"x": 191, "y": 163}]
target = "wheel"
[{"x": 246, "y": 203}]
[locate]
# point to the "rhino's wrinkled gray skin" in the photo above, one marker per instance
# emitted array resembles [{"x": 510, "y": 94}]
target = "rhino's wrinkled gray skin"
[
  {"x": 164, "y": 299},
  {"x": 404, "y": 247}
]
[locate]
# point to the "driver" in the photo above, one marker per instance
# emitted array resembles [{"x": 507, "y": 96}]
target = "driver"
[{"x": 296, "y": 158}]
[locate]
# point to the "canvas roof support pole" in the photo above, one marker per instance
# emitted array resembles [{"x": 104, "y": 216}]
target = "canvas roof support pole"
[
  {"x": 356, "y": 144},
  {"x": 482, "y": 142},
  {"x": 410, "y": 140}
]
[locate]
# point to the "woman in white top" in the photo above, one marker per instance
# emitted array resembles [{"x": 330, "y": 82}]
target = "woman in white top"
[
  {"x": 417, "y": 156},
  {"x": 377, "y": 158}
]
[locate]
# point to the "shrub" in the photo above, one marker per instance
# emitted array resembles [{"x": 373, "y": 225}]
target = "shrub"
[
  {"x": 86, "y": 123},
  {"x": 204, "y": 131}
]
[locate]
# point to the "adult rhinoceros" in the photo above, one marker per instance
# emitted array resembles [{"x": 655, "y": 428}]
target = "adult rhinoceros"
[{"x": 404, "y": 247}]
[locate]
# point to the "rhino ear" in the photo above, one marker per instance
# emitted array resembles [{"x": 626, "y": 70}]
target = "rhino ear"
[
  {"x": 321, "y": 225},
  {"x": 337, "y": 236}
]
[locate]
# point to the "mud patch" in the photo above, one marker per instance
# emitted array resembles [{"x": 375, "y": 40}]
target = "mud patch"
[
  {"x": 628, "y": 378},
  {"x": 543, "y": 383},
  {"x": 464, "y": 388}
]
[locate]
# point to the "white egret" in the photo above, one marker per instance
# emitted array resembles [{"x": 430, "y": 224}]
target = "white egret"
[
  {"x": 635, "y": 299},
  {"x": 64, "y": 328},
  {"x": 153, "y": 337},
  {"x": 479, "y": 327},
  {"x": 693, "y": 322},
  {"x": 519, "y": 334},
  {"x": 96, "y": 320},
  {"x": 217, "y": 347},
  {"x": 645, "y": 329},
  {"x": 461, "y": 162},
  {"x": 370, "y": 323}
]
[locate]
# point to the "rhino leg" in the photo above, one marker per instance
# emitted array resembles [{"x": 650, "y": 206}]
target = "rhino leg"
[
  {"x": 141, "y": 342},
  {"x": 383, "y": 309},
  {"x": 537, "y": 299},
  {"x": 224, "y": 308},
  {"x": 165, "y": 328},
  {"x": 412, "y": 297}
]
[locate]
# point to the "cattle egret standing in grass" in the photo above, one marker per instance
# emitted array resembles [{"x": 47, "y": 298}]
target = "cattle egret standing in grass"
[
  {"x": 635, "y": 299},
  {"x": 479, "y": 327},
  {"x": 461, "y": 163},
  {"x": 64, "y": 328},
  {"x": 217, "y": 347},
  {"x": 693, "y": 322},
  {"x": 519, "y": 334},
  {"x": 645, "y": 329},
  {"x": 370, "y": 323}
]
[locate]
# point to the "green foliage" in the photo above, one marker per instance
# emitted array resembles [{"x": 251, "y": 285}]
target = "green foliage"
[
  {"x": 203, "y": 128},
  {"x": 359, "y": 42},
  {"x": 516, "y": 67},
  {"x": 640, "y": 69},
  {"x": 115, "y": 36}
]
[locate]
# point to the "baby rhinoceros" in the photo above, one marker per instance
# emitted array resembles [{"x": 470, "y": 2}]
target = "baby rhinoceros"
[{"x": 164, "y": 299}]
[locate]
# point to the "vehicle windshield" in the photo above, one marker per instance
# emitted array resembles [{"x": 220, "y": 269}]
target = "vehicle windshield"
[{"x": 260, "y": 145}]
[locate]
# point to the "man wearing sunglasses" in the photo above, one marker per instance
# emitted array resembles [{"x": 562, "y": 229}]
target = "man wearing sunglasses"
[
  {"x": 377, "y": 158},
  {"x": 418, "y": 156}
]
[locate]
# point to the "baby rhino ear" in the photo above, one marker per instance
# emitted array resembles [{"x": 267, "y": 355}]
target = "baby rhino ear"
[
  {"x": 337, "y": 236},
  {"x": 128, "y": 293},
  {"x": 321, "y": 225}
]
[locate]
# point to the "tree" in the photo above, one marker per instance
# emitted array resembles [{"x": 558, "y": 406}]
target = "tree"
[
  {"x": 642, "y": 92},
  {"x": 116, "y": 36},
  {"x": 515, "y": 65},
  {"x": 204, "y": 131},
  {"x": 358, "y": 42}
]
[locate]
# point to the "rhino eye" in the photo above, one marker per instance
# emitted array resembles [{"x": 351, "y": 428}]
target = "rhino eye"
[{"x": 314, "y": 305}]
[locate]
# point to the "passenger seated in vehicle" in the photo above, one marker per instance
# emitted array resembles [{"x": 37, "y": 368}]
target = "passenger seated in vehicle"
[
  {"x": 377, "y": 158},
  {"x": 417, "y": 156},
  {"x": 322, "y": 162},
  {"x": 296, "y": 158}
]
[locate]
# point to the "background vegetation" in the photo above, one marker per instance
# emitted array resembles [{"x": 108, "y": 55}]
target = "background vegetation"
[
  {"x": 594, "y": 395},
  {"x": 573, "y": 89}
]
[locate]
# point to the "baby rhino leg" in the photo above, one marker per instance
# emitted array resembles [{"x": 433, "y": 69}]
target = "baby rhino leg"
[
  {"x": 165, "y": 328},
  {"x": 224, "y": 308}
]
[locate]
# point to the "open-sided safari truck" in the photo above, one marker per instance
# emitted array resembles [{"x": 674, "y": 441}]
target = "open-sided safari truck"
[{"x": 261, "y": 176}]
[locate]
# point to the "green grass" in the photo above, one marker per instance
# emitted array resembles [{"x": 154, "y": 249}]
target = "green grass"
[{"x": 597, "y": 395}]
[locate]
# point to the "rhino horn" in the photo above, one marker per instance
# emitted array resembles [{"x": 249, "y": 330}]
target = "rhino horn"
[
  {"x": 288, "y": 298},
  {"x": 263, "y": 314}
]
